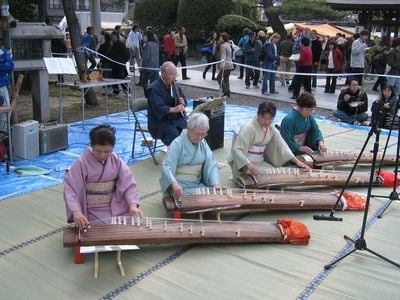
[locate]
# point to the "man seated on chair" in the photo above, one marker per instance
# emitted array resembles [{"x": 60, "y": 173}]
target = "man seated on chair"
[
  {"x": 166, "y": 109},
  {"x": 352, "y": 104},
  {"x": 189, "y": 162},
  {"x": 100, "y": 185},
  {"x": 299, "y": 128},
  {"x": 259, "y": 145}
]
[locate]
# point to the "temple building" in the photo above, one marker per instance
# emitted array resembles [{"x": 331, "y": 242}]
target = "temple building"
[{"x": 383, "y": 14}]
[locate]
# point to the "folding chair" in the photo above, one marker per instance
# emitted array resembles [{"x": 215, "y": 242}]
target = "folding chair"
[{"x": 140, "y": 106}]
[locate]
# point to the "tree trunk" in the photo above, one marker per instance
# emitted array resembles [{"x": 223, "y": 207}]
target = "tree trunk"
[
  {"x": 273, "y": 19},
  {"x": 75, "y": 34},
  {"x": 42, "y": 12}
]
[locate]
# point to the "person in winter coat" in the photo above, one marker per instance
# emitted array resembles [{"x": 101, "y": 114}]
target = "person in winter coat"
[
  {"x": 334, "y": 62},
  {"x": 118, "y": 55},
  {"x": 271, "y": 61}
]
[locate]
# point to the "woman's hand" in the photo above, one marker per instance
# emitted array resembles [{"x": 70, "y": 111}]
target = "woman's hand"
[
  {"x": 252, "y": 169},
  {"x": 176, "y": 189},
  {"x": 135, "y": 211},
  {"x": 80, "y": 220}
]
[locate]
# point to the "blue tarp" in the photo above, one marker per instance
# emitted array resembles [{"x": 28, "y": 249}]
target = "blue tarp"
[{"x": 12, "y": 184}]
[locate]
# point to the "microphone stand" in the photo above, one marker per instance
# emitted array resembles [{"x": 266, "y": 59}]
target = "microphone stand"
[
  {"x": 331, "y": 216},
  {"x": 360, "y": 243},
  {"x": 394, "y": 195}
]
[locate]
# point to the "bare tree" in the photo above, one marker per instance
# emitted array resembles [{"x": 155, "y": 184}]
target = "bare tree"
[
  {"x": 75, "y": 34},
  {"x": 273, "y": 18}
]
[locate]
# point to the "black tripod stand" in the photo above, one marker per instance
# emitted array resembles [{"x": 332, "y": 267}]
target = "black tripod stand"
[
  {"x": 394, "y": 195},
  {"x": 360, "y": 244}
]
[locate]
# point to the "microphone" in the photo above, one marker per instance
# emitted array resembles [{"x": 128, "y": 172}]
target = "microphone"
[{"x": 331, "y": 217}]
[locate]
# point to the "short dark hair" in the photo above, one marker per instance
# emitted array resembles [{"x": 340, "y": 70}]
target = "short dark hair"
[
  {"x": 364, "y": 32},
  {"x": 89, "y": 28},
  {"x": 102, "y": 135},
  {"x": 305, "y": 41},
  {"x": 306, "y": 100},
  {"x": 117, "y": 27},
  {"x": 116, "y": 33},
  {"x": 267, "y": 107}
]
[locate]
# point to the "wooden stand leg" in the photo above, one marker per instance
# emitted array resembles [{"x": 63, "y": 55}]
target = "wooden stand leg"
[
  {"x": 119, "y": 263},
  {"x": 96, "y": 264}
]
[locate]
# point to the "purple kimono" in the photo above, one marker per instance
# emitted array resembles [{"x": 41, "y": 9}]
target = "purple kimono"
[{"x": 86, "y": 171}]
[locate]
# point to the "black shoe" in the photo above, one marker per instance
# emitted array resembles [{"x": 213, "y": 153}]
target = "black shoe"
[
  {"x": 326, "y": 91},
  {"x": 293, "y": 97},
  {"x": 214, "y": 78},
  {"x": 240, "y": 77},
  {"x": 287, "y": 82},
  {"x": 375, "y": 89},
  {"x": 185, "y": 78},
  {"x": 204, "y": 75}
]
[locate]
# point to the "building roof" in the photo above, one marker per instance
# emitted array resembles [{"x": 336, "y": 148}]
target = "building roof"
[{"x": 364, "y": 4}]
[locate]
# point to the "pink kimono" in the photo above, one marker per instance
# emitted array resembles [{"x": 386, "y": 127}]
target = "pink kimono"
[{"x": 99, "y": 190}]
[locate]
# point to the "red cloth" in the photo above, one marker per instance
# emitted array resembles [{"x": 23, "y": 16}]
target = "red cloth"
[
  {"x": 169, "y": 44},
  {"x": 337, "y": 59},
  {"x": 294, "y": 232},
  {"x": 387, "y": 178},
  {"x": 306, "y": 58},
  {"x": 353, "y": 201}
]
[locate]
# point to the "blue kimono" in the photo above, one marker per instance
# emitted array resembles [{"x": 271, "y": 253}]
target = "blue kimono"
[
  {"x": 161, "y": 123},
  {"x": 190, "y": 165},
  {"x": 298, "y": 131}
]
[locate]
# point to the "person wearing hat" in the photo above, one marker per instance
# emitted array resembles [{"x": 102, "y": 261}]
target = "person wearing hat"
[{"x": 262, "y": 37}]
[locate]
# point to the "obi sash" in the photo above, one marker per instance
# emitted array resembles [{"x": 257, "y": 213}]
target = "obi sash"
[
  {"x": 189, "y": 172},
  {"x": 300, "y": 138},
  {"x": 256, "y": 153},
  {"x": 99, "y": 193}
]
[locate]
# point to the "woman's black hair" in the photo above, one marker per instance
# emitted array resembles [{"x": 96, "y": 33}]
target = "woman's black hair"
[
  {"x": 267, "y": 107},
  {"x": 102, "y": 135},
  {"x": 306, "y": 100}
]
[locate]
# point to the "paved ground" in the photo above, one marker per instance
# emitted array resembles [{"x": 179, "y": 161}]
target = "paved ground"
[
  {"x": 326, "y": 101},
  {"x": 194, "y": 88}
]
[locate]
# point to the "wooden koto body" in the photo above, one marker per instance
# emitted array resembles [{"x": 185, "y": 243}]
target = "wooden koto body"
[
  {"x": 332, "y": 157},
  {"x": 175, "y": 232},
  {"x": 283, "y": 177},
  {"x": 254, "y": 201}
]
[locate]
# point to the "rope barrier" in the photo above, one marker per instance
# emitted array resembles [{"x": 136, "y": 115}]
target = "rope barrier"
[{"x": 250, "y": 67}]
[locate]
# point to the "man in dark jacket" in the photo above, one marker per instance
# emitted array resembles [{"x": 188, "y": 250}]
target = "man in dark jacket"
[
  {"x": 252, "y": 49},
  {"x": 119, "y": 55},
  {"x": 316, "y": 49},
  {"x": 352, "y": 104},
  {"x": 166, "y": 106}
]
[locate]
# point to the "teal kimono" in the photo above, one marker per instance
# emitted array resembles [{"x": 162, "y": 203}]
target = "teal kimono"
[
  {"x": 298, "y": 131},
  {"x": 190, "y": 165}
]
